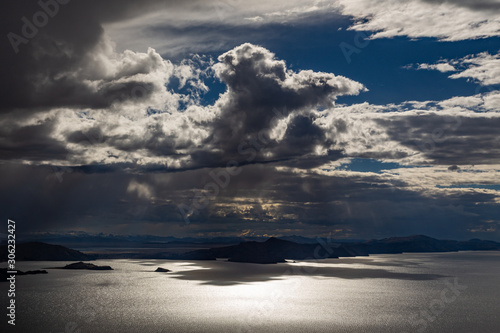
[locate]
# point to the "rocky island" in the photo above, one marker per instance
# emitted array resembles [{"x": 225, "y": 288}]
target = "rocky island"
[
  {"x": 162, "y": 270},
  {"x": 83, "y": 265}
]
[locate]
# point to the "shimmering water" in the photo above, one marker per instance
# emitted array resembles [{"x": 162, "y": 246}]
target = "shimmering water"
[{"x": 380, "y": 293}]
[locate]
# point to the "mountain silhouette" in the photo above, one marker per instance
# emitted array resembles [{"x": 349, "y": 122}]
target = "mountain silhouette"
[
  {"x": 276, "y": 250},
  {"x": 38, "y": 251}
]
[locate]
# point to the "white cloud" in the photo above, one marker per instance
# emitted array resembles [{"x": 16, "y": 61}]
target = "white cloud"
[
  {"x": 445, "y": 20},
  {"x": 459, "y": 130},
  {"x": 442, "y": 67},
  {"x": 142, "y": 190},
  {"x": 483, "y": 68},
  {"x": 206, "y": 26}
]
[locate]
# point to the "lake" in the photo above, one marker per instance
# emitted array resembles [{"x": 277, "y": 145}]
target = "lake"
[{"x": 419, "y": 292}]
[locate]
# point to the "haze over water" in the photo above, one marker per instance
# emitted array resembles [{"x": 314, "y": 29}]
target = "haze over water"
[{"x": 380, "y": 293}]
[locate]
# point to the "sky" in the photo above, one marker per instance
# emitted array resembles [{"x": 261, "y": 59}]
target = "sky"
[{"x": 350, "y": 118}]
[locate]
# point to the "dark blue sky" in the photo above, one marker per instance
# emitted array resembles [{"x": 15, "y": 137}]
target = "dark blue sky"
[{"x": 378, "y": 65}]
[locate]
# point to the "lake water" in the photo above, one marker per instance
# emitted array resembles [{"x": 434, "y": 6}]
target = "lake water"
[{"x": 438, "y": 292}]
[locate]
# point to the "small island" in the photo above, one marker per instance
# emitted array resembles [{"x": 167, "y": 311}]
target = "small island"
[
  {"x": 162, "y": 270},
  {"x": 4, "y": 275},
  {"x": 83, "y": 265},
  {"x": 38, "y": 271}
]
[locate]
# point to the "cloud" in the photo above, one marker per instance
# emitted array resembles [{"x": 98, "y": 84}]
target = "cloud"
[
  {"x": 444, "y": 140},
  {"x": 263, "y": 197},
  {"x": 99, "y": 79},
  {"x": 482, "y": 5},
  {"x": 261, "y": 92},
  {"x": 200, "y": 26},
  {"x": 31, "y": 142},
  {"x": 460, "y": 131},
  {"x": 267, "y": 113},
  {"x": 441, "y": 66},
  {"x": 62, "y": 64},
  {"x": 143, "y": 191},
  {"x": 210, "y": 26},
  {"x": 444, "y": 20},
  {"x": 245, "y": 125},
  {"x": 483, "y": 68}
]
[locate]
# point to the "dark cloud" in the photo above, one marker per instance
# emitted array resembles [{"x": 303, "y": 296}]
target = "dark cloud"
[
  {"x": 69, "y": 63},
  {"x": 268, "y": 201},
  {"x": 49, "y": 67},
  {"x": 447, "y": 140},
  {"x": 260, "y": 92},
  {"x": 266, "y": 115},
  {"x": 32, "y": 142},
  {"x": 301, "y": 137},
  {"x": 483, "y": 5}
]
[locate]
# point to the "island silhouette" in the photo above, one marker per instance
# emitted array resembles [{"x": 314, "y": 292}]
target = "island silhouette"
[{"x": 271, "y": 251}]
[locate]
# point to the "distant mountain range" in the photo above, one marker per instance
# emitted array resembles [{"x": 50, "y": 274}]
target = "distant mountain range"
[
  {"x": 277, "y": 250},
  {"x": 83, "y": 240},
  {"x": 38, "y": 251},
  {"x": 273, "y": 250}
]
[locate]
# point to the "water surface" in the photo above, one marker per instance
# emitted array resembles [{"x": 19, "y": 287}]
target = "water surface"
[{"x": 438, "y": 292}]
